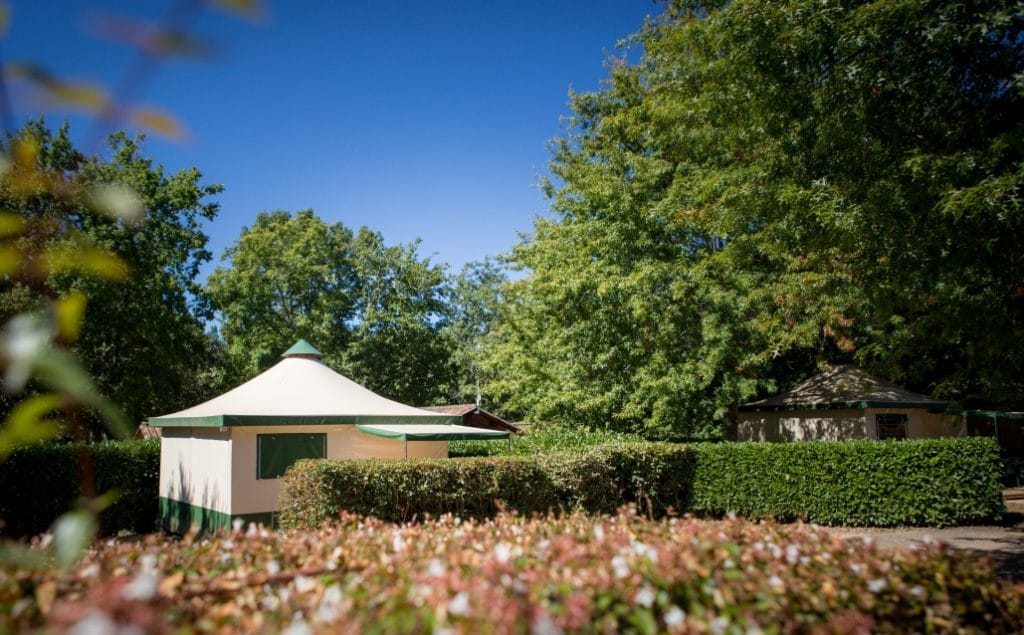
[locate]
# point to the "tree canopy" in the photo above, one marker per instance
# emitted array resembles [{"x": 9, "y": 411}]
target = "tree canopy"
[
  {"x": 774, "y": 185},
  {"x": 374, "y": 310}
]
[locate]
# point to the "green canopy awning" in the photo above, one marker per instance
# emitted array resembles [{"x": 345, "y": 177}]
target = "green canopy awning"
[{"x": 428, "y": 432}]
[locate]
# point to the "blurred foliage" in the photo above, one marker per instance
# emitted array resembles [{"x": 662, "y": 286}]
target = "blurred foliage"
[
  {"x": 771, "y": 187},
  {"x": 97, "y": 257},
  {"x": 570, "y": 573},
  {"x": 128, "y": 282}
]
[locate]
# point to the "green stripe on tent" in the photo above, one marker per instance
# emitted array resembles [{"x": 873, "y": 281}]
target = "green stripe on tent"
[{"x": 223, "y": 421}]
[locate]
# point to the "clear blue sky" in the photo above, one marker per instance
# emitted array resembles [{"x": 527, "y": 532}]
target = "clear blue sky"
[{"x": 418, "y": 119}]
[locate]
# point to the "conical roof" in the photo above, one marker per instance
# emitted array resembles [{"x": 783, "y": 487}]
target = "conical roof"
[
  {"x": 299, "y": 390},
  {"x": 845, "y": 386}
]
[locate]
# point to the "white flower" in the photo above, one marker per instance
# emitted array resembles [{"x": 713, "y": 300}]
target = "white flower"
[
  {"x": 237, "y": 524},
  {"x": 792, "y": 554},
  {"x": 877, "y": 585},
  {"x": 918, "y": 592},
  {"x": 675, "y": 616},
  {"x": 856, "y": 568},
  {"x": 644, "y": 551},
  {"x": 273, "y": 568},
  {"x": 502, "y": 552},
  {"x": 94, "y": 623},
  {"x": 599, "y": 532},
  {"x": 776, "y": 582},
  {"x": 645, "y": 597},
  {"x": 298, "y": 628},
  {"x": 718, "y": 625},
  {"x": 397, "y": 544},
  {"x": 545, "y": 626},
  {"x": 620, "y": 567},
  {"x": 459, "y": 604},
  {"x": 142, "y": 587},
  {"x": 330, "y": 604},
  {"x": 436, "y": 568},
  {"x": 304, "y": 584}
]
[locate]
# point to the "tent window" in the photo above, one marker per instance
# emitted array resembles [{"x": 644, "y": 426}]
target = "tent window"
[
  {"x": 275, "y": 453},
  {"x": 891, "y": 426}
]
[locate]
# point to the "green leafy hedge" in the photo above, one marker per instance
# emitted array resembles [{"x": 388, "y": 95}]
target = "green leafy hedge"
[
  {"x": 40, "y": 482},
  {"x": 930, "y": 482}
]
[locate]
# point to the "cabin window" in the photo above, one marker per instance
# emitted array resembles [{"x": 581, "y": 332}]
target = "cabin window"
[
  {"x": 275, "y": 453},
  {"x": 891, "y": 426}
]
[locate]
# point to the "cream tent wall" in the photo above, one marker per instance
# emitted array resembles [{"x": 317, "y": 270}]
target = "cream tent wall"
[{"x": 210, "y": 470}]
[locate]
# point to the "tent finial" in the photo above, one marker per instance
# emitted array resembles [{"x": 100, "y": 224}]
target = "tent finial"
[{"x": 302, "y": 350}]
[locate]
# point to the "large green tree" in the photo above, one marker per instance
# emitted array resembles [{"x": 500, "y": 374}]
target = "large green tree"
[
  {"x": 142, "y": 338},
  {"x": 374, "y": 310},
  {"x": 777, "y": 184}
]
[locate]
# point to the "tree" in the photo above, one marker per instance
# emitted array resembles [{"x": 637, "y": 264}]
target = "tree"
[
  {"x": 142, "y": 338},
  {"x": 473, "y": 303},
  {"x": 290, "y": 277},
  {"x": 773, "y": 186},
  {"x": 374, "y": 310}
]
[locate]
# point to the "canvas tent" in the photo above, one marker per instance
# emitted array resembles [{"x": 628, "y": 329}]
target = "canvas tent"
[
  {"x": 223, "y": 458},
  {"x": 845, "y": 403}
]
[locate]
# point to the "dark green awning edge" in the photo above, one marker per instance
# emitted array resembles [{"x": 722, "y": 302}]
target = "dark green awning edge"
[
  {"x": 224, "y": 421},
  {"x": 481, "y": 435}
]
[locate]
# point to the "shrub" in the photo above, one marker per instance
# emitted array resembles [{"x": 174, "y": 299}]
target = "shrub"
[
  {"x": 540, "y": 439},
  {"x": 573, "y": 573},
  {"x": 933, "y": 482},
  {"x": 40, "y": 482}
]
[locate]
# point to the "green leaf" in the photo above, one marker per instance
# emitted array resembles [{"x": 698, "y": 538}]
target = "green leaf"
[{"x": 72, "y": 533}]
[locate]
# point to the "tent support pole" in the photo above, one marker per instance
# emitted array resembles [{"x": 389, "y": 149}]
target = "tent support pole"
[{"x": 407, "y": 448}]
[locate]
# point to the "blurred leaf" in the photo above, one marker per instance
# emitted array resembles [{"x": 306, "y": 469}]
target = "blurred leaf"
[
  {"x": 158, "y": 121},
  {"x": 46, "y": 593},
  {"x": 10, "y": 261},
  {"x": 151, "y": 38},
  {"x": 5, "y": 18},
  {"x": 72, "y": 533},
  {"x": 249, "y": 9},
  {"x": 24, "y": 339},
  {"x": 80, "y": 94},
  {"x": 11, "y": 224},
  {"x": 61, "y": 371},
  {"x": 27, "y": 423},
  {"x": 117, "y": 201},
  {"x": 5, "y": 164},
  {"x": 69, "y": 311},
  {"x": 23, "y": 557},
  {"x": 85, "y": 260}
]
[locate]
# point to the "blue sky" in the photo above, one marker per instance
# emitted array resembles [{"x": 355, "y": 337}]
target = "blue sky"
[{"x": 418, "y": 119}]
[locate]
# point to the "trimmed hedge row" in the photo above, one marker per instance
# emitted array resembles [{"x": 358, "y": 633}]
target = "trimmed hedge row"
[
  {"x": 935, "y": 482},
  {"x": 40, "y": 482},
  {"x": 929, "y": 482}
]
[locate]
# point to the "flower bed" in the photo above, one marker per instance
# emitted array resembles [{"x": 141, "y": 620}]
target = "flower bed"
[{"x": 511, "y": 574}]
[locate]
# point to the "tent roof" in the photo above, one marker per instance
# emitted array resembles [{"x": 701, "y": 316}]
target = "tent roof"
[
  {"x": 420, "y": 432},
  {"x": 299, "y": 391},
  {"x": 845, "y": 386}
]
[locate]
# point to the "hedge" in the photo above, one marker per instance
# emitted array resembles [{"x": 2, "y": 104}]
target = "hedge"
[
  {"x": 928, "y": 482},
  {"x": 40, "y": 482},
  {"x": 935, "y": 482}
]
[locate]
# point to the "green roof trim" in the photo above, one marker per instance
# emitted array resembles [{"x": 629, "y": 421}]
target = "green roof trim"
[
  {"x": 455, "y": 435},
  {"x": 838, "y": 405},
  {"x": 227, "y": 421},
  {"x": 302, "y": 347}
]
